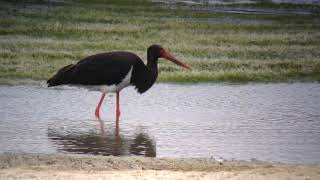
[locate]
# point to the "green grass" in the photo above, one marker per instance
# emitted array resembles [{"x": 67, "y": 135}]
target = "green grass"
[{"x": 39, "y": 37}]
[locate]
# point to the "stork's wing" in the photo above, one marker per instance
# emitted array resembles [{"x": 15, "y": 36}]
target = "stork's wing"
[{"x": 106, "y": 68}]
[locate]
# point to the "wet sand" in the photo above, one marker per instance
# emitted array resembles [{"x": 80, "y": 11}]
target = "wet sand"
[{"x": 60, "y": 166}]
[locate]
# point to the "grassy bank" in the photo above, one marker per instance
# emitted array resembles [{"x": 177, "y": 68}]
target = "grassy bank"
[{"x": 39, "y": 37}]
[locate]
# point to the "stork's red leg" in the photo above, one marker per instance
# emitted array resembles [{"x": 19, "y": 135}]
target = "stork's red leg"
[
  {"x": 99, "y": 105},
  {"x": 118, "y": 106}
]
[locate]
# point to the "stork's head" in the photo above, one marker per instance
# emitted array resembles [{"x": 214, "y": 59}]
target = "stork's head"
[{"x": 156, "y": 51}]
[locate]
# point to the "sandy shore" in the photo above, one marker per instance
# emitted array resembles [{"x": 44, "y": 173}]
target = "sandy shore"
[{"x": 42, "y": 166}]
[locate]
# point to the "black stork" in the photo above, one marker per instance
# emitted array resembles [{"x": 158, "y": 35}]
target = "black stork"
[{"x": 113, "y": 71}]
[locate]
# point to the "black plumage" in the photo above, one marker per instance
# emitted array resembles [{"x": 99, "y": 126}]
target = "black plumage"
[{"x": 111, "y": 68}]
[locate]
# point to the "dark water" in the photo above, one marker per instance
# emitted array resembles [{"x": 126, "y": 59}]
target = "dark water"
[
  {"x": 272, "y": 122},
  {"x": 316, "y": 2},
  {"x": 302, "y": 6}
]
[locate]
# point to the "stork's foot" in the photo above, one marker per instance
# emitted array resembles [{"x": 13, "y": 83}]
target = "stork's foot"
[
  {"x": 97, "y": 113},
  {"x": 118, "y": 115},
  {"x": 118, "y": 107},
  {"x": 101, "y": 124}
]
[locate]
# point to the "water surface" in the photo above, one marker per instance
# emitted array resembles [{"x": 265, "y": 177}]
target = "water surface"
[
  {"x": 302, "y": 7},
  {"x": 270, "y": 122}
]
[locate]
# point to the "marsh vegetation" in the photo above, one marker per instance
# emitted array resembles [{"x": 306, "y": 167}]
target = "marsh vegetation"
[{"x": 39, "y": 37}]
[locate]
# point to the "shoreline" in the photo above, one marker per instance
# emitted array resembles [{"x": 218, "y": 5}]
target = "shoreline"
[
  {"x": 64, "y": 166},
  {"x": 27, "y": 81}
]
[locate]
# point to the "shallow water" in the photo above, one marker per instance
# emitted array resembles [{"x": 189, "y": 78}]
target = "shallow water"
[{"x": 272, "y": 122}]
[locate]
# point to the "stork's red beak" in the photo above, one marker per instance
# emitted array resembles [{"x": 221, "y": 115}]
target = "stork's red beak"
[{"x": 171, "y": 58}]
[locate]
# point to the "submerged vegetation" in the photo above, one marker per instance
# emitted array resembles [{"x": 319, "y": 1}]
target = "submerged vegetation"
[{"x": 38, "y": 37}]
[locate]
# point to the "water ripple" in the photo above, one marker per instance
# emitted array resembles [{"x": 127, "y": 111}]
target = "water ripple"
[{"x": 273, "y": 122}]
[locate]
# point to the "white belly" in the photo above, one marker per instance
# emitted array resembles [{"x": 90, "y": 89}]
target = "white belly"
[
  {"x": 106, "y": 88},
  {"x": 116, "y": 88}
]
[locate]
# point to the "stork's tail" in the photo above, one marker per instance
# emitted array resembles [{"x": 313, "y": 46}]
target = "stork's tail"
[{"x": 63, "y": 76}]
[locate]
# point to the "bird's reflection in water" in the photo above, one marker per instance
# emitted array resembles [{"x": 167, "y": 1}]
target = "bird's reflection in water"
[{"x": 104, "y": 142}]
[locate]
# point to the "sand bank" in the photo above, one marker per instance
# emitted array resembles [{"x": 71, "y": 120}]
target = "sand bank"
[{"x": 60, "y": 166}]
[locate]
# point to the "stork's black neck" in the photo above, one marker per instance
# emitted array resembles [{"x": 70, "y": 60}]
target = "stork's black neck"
[
  {"x": 144, "y": 76},
  {"x": 152, "y": 64}
]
